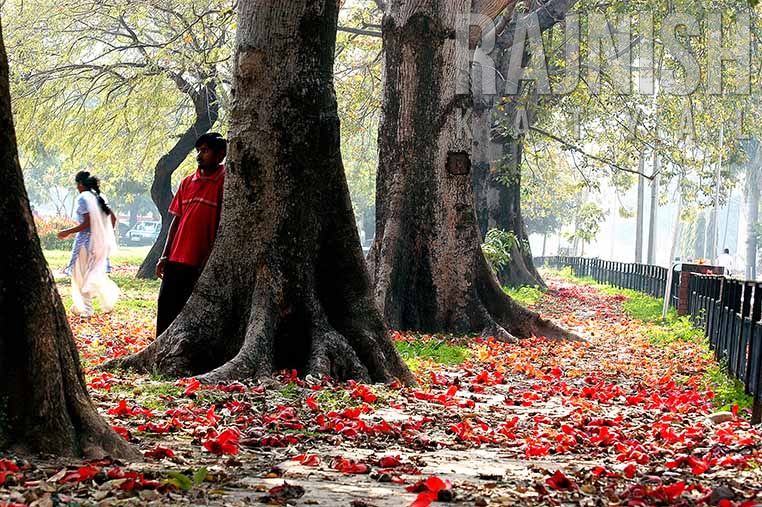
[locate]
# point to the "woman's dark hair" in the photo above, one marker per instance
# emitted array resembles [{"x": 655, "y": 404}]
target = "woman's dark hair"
[{"x": 92, "y": 184}]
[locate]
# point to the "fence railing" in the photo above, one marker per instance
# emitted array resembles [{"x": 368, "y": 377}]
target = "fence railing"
[
  {"x": 729, "y": 310},
  {"x": 644, "y": 278}
]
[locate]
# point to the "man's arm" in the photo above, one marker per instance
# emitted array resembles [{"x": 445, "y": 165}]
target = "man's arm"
[{"x": 167, "y": 246}]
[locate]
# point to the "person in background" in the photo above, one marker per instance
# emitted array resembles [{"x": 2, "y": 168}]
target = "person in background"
[
  {"x": 94, "y": 243},
  {"x": 726, "y": 261},
  {"x": 196, "y": 210}
]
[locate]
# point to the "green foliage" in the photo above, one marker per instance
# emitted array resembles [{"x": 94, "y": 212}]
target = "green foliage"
[
  {"x": 436, "y": 350},
  {"x": 497, "y": 248},
  {"x": 48, "y": 229},
  {"x": 549, "y": 191},
  {"x": 728, "y": 391},
  {"x": 357, "y": 71},
  {"x": 605, "y": 133},
  {"x": 639, "y": 306},
  {"x": 184, "y": 482},
  {"x": 525, "y": 295},
  {"x": 588, "y": 222},
  {"x": 109, "y": 86}
]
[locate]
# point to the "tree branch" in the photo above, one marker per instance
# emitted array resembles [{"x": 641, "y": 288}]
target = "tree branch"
[
  {"x": 359, "y": 31},
  {"x": 571, "y": 146}
]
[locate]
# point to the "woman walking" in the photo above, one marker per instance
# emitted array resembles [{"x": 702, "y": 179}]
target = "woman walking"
[{"x": 94, "y": 243}]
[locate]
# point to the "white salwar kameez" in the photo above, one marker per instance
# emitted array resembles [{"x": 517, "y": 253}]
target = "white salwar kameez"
[{"x": 89, "y": 277}]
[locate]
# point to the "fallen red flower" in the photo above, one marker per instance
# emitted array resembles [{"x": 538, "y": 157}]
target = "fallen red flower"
[
  {"x": 560, "y": 482},
  {"x": 389, "y": 462},
  {"x": 224, "y": 443},
  {"x": 159, "y": 452},
  {"x": 308, "y": 460},
  {"x": 349, "y": 466}
]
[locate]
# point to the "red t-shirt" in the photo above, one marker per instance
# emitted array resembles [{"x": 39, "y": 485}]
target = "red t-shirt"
[{"x": 197, "y": 204}]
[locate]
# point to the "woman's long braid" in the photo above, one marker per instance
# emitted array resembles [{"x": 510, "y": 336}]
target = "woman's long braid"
[{"x": 92, "y": 184}]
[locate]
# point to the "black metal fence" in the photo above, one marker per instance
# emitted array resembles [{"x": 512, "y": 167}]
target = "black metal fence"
[
  {"x": 644, "y": 278},
  {"x": 729, "y": 310}
]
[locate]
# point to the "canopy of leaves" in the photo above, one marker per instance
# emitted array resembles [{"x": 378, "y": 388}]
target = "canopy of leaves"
[{"x": 107, "y": 85}]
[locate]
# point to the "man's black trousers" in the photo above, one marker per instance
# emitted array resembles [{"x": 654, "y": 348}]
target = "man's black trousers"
[{"x": 176, "y": 287}]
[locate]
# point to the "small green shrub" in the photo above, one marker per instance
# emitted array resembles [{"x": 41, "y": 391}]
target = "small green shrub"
[
  {"x": 497, "y": 248},
  {"x": 728, "y": 391}
]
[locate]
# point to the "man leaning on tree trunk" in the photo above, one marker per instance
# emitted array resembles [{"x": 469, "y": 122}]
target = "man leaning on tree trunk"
[{"x": 195, "y": 210}]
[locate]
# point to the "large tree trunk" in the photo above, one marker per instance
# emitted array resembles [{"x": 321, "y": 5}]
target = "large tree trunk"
[
  {"x": 699, "y": 245},
  {"x": 654, "y": 214},
  {"x": 46, "y": 408},
  {"x": 498, "y": 204},
  {"x": 498, "y": 156},
  {"x": 640, "y": 211},
  {"x": 286, "y": 284},
  {"x": 752, "y": 188},
  {"x": 497, "y": 192},
  {"x": 426, "y": 262},
  {"x": 207, "y": 109}
]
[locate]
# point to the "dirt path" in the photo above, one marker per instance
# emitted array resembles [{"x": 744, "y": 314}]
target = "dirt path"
[{"x": 614, "y": 420}]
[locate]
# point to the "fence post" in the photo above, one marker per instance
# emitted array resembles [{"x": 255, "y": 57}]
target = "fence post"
[{"x": 755, "y": 357}]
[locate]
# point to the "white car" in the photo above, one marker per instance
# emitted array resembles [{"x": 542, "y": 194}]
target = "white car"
[{"x": 143, "y": 233}]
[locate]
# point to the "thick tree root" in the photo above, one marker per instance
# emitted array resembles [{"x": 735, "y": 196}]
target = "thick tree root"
[
  {"x": 280, "y": 333},
  {"x": 514, "y": 318}
]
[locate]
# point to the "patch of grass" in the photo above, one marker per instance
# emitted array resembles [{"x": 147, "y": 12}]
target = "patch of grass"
[
  {"x": 567, "y": 274},
  {"x": 439, "y": 351},
  {"x": 207, "y": 397},
  {"x": 640, "y": 306},
  {"x": 676, "y": 330},
  {"x": 151, "y": 394},
  {"x": 130, "y": 283},
  {"x": 138, "y": 296},
  {"x": 526, "y": 295},
  {"x": 290, "y": 391},
  {"x": 124, "y": 256},
  {"x": 728, "y": 391},
  {"x": 334, "y": 400}
]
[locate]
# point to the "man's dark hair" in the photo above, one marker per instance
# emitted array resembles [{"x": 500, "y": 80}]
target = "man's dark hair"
[
  {"x": 215, "y": 141},
  {"x": 727, "y": 250}
]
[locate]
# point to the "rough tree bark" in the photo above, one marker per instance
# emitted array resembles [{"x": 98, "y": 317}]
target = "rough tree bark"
[
  {"x": 207, "y": 109},
  {"x": 426, "y": 263},
  {"x": 499, "y": 204},
  {"x": 286, "y": 284},
  {"x": 43, "y": 397}
]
